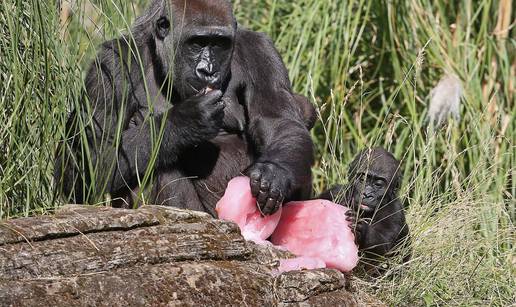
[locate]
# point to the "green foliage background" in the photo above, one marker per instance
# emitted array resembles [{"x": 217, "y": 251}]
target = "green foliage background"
[{"x": 369, "y": 66}]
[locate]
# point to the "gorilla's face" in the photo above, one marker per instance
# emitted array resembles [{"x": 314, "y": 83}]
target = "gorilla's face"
[
  {"x": 200, "y": 45},
  {"x": 374, "y": 178},
  {"x": 206, "y": 60},
  {"x": 368, "y": 191}
]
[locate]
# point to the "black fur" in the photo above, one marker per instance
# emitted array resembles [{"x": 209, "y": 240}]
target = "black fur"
[
  {"x": 377, "y": 216},
  {"x": 224, "y": 101}
]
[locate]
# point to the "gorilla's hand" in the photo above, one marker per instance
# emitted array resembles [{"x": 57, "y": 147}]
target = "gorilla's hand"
[
  {"x": 359, "y": 228},
  {"x": 200, "y": 117},
  {"x": 270, "y": 184}
]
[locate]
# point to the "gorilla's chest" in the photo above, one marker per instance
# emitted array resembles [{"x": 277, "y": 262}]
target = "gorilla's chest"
[{"x": 225, "y": 156}]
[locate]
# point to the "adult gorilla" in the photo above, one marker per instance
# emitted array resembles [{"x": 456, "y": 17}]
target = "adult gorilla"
[{"x": 222, "y": 97}]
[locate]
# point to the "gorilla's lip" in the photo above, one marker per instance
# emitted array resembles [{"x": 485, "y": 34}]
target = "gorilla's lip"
[
  {"x": 204, "y": 90},
  {"x": 366, "y": 207}
]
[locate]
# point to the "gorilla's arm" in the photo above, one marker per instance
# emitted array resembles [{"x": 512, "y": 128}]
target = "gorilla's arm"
[
  {"x": 119, "y": 151},
  {"x": 387, "y": 228},
  {"x": 276, "y": 123}
]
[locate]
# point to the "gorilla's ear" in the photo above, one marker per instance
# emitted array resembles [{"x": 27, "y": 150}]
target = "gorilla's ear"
[
  {"x": 162, "y": 27},
  {"x": 307, "y": 110}
]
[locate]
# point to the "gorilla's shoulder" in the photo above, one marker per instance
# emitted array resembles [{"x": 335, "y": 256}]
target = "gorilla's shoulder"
[
  {"x": 119, "y": 46},
  {"x": 256, "y": 51},
  {"x": 250, "y": 42},
  {"x": 246, "y": 35}
]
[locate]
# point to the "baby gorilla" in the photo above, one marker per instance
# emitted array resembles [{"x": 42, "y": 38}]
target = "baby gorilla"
[{"x": 377, "y": 216}]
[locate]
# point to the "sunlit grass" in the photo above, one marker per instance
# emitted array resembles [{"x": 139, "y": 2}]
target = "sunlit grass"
[{"x": 369, "y": 66}]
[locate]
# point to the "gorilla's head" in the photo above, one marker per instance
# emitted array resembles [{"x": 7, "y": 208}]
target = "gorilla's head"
[
  {"x": 192, "y": 41},
  {"x": 374, "y": 177}
]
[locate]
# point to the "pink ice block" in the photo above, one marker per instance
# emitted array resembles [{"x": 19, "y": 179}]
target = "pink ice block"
[
  {"x": 239, "y": 206},
  {"x": 300, "y": 263},
  {"x": 317, "y": 229}
]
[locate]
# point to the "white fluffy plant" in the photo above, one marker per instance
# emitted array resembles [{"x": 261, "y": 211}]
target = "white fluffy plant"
[{"x": 445, "y": 100}]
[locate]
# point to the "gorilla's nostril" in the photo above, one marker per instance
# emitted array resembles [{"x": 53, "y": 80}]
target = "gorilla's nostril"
[
  {"x": 205, "y": 71},
  {"x": 201, "y": 72}
]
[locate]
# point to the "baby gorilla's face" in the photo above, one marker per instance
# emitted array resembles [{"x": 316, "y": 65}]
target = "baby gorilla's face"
[
  {"x": 373, "y": 179},
  {"x": 368, "y": 192}
]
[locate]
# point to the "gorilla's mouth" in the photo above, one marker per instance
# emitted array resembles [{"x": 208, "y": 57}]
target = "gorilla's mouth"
[{"x": 205, "y": 90}]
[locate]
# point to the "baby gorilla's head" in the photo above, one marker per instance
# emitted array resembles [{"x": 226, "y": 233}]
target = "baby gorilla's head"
[{"x": 374, "y": 178}]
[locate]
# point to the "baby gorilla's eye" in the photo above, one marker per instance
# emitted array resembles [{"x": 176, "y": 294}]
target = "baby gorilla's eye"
[
  {"x": 378, "y": 183},
  {"x": 359, "y": 177}
]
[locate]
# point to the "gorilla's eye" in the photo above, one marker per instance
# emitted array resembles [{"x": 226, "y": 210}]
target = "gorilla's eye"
[
  {"x": 378, "y": 183},
  {"x": 163, "y": 23},
  {"x": 360, "y": 177},
  {"x": 163, "y": 26},
  {"x": 198, "y": 42},
  {"x": 224, "y": 43}
]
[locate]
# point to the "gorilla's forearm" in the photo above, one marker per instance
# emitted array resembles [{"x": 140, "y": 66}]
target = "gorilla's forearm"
[
  {"x": 286, "y": 143},
  {"x": 276, "y": 122}
]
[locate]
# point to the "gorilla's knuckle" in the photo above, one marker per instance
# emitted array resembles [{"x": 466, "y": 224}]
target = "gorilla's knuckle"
[
  {"x": 255, "y": 175},
  {"x": 275, "y": 192}
]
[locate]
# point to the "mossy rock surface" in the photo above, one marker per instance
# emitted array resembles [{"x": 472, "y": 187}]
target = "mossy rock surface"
[{"x": 152, "y": 256}]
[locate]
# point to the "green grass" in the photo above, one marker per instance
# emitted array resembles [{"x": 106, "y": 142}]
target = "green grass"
[{"x": 369, "y": 66}]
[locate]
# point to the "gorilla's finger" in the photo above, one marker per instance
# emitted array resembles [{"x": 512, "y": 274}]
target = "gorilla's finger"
[
  {"x": 222, "y": 104},
  {"x": 218, "y": 111},
  {"x": 255, "y": 182},
  {"x": 262, "y": 199},
  {"x": 265, "y": 185},
  {"x": 255, "y": 175},
  {"x": 275, "y": 193},
  {"x": 278, "y": 205},
  {"x": 255, "y": 188},
  {"x": 213, "y": 96},
  {"x": 270, "y": 206},
  {"x": 281, "y": 199},
  {"x": 218, "y": 115}
]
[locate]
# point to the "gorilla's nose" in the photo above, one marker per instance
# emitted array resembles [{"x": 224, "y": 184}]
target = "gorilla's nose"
[
  {"x": 207, "y": 73},
  {"x": 367, "y": 196}
]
